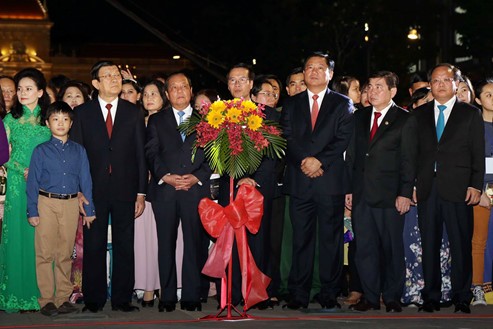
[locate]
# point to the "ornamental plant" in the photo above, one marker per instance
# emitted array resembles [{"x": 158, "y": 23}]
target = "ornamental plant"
[{"x": 234, "y": 135}]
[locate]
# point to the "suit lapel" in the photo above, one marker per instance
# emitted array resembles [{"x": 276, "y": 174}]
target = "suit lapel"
[
  {"x": 97, "y": 119},
  {"x": 305, "y": 109},
  {"x": 430, "y": 121},
  {"x": 387, "y": 121},
  {"x": 120, "y": 118},
  {"x": 173, "y": 125}
]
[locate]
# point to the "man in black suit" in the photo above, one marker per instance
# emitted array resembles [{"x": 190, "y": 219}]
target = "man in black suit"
[
  {"x": 317, "y": 125},
  {"x": 177, "y": 186},
  {"x": 381, "y": 162},
  {"x": 113, "y": 132},
  {"x": 449, "y": 182}
]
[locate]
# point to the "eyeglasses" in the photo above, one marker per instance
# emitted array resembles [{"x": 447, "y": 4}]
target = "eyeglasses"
[
  {"x": 268, "y": 94},
  {"x": 241, "y": 81},
  {"x": 438, "y": 81},
  {"x": 115, "y": 76}
]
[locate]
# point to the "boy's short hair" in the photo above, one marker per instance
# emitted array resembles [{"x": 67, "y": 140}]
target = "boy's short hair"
[{"x": 59, "y": 107}]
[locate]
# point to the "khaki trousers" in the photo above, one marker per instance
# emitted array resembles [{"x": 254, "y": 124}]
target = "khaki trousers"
[
  {"x": 480, "y": 234},
  {"x": 54, "y": 243}
]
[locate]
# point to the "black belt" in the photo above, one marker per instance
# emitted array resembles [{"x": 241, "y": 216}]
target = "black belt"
[{"x": 58, "y": 196}]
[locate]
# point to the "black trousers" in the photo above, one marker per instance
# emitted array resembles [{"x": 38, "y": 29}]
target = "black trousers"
[
  {"x": 94, "y": 276},
  {"x": 305, "y": 213},
  {"x": 458, "y": 218},
  {"x": 379, "y": 248},
  {"x": 168, "y": 214},
  {"x": 276, "y": 232}
]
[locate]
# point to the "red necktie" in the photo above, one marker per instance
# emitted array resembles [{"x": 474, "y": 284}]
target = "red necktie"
[
  {"x": 314, "y": 110},
  {"x": 109, "y": 120},
  {"x": 374, "y": 127}
]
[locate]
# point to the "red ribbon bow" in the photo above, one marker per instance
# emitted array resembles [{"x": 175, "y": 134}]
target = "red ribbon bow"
[{"x": 228, "y": 223}]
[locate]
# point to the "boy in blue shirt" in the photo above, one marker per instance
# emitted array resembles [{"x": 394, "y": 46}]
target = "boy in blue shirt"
[{"x": 59, "y": 170}]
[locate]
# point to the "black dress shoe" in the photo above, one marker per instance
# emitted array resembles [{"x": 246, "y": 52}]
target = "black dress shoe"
[
  {"x": 429, "y": 307},
  {"x": 49, "y": 309},
  {"x": 67, "y": 307},
  {"x": 364, "y": 305},
  {"x": 264, "y": 305},
  {"x": 330, "y": 304},
  {"x": 191, "y": 306},
  {"x": 92, "y": 307},
  {"x": 168, "y": 306},
  {"x": 147, "y": 303},
  {"x": 125, "y": 307},
  {"x": 462, "y": 307},
  {"x": 393, "y": 307},
  {"x": 294, "y": 305}
]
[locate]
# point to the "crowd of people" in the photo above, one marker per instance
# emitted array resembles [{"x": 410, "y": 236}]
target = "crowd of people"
[{"x": 100, "y": 165}]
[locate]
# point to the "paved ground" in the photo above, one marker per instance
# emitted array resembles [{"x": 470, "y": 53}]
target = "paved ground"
[{"x": 314, "y": 318}]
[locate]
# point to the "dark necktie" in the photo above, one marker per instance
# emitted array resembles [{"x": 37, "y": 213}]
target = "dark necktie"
[
  {"x": 440, "y": 121},
  {"x": 109, "y": 120},
  {"x": 374, "y": 126},
  {"x": 181, "y": 114},
  {"x": 314, "y": 111}
]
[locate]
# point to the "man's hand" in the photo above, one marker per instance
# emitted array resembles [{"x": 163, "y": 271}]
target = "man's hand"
[
  {"x": 139, "y": 205},
  {"x": 186, "y": 182},
  {"x": 472, "y": 196},
  {"x": 87, "y": 220},
  {"x": 402, "y": 204},
  {"x": 173, "y": 180},
  {"x": 126, "y": 74},
  {"x": 247, "y": 181},
  {"x": 26, "y": 173},
  {"x": 82, "y": 201},
  {"x": 34, "y": 221},
  {"x": 485, "y": 201},
  {"x": 414, "y": 200},
  {"x": 311, "y": 167},
  {"x": 348, "y": 201}
]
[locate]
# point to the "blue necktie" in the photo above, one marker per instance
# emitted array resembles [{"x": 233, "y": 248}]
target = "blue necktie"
[
  {"x": 181, "y": 114},
  {"x": 440, "y": 122}
]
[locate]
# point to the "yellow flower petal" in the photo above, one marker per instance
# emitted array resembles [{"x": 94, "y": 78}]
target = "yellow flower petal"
[
  {"x": 254, "y": 122},
  {"x": 218, "y": 106},
  {"x": 233, "y": 115},
  {"x": 215, "y": 119}
]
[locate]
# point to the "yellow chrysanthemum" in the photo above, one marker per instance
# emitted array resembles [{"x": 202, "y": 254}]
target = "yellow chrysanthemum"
[
  {"x": 215, "y": 118},
  {"x": 218, "y": 106},
  {"x": 233, "y": 115},
  {"x": 249, "y": 106},
  {"x": 254, "y": 122}
]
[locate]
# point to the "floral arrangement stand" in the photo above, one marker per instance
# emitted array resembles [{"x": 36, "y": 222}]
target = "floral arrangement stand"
[{"x": 235, "y": 137}]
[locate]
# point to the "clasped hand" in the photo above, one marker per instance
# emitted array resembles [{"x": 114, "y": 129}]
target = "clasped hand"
[
  {"x": 181, "y": 182},
  {"x": 311, "y": 167}
]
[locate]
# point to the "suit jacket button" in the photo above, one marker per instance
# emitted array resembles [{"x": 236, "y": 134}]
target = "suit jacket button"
[
  {"x": 111, "y": 149},
  {"x": 367, "y": 154}
]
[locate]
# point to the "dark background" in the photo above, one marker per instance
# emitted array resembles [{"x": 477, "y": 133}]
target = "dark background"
[{"x": 279, "y": 34}]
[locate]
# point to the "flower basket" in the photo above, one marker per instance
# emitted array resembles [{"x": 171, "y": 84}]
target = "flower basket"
[{"x": 234, "y": 135}]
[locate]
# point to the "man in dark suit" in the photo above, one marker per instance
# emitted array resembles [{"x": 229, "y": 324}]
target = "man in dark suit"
[
  {"x": 113, "y": 132},
  {"x": 381, "y": 162},
  {"x": 449, "y": 182},
  {"x": 177, "y": 186},
  {"x": 317, "y": 125}
]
